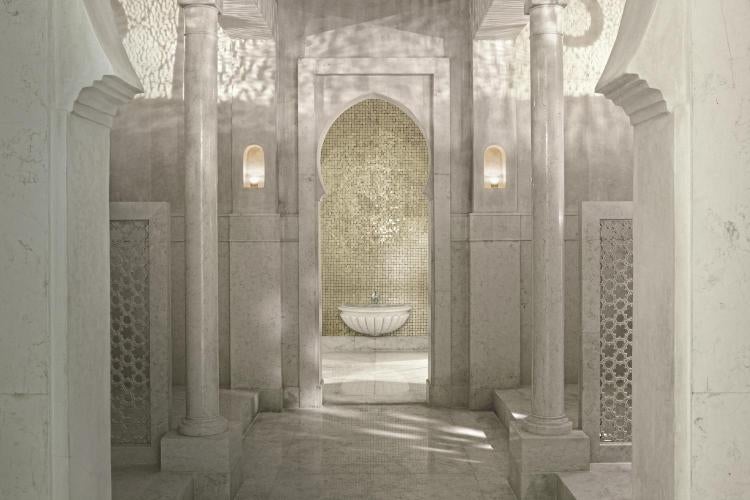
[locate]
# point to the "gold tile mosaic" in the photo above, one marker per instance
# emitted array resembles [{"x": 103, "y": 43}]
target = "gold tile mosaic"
[{"x": 374, "y": 219}]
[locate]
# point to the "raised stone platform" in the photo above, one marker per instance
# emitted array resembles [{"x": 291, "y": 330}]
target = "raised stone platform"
[
  {"x": 610, "y": 481},
  {"x": 535, "y": 460},
  {"x": 236, "y": 405},
  {"x": 213, "y": 463},
  {"x": 147, "y": 483}
]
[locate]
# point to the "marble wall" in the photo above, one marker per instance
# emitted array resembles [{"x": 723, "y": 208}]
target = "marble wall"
[
  {"x": 490, "y": 231},
  {"x": 55, "y": 111}
]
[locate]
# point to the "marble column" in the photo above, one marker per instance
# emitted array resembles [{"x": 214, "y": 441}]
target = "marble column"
[
  {"x": 201, "y": 233},
  {"x": 548, "y": 173}
]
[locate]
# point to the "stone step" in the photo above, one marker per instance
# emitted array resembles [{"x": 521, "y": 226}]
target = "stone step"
[
  {"x": 373, "y": 391},
  {"x": 147, "y": 483},
  {"x": 602, "y": 482},
  {"x": 236, "y": 405}
]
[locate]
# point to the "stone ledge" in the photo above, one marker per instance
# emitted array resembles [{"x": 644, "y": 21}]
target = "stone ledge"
[
  {"x": 213, "y": 462},
  {"x": 535, "y": 460},
  {"x": 236, "y": 405}
]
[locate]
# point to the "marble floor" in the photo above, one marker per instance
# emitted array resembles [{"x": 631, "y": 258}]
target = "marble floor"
[
  {"x": 376, "y": 452},
  {"x": 375, "y": 377}
]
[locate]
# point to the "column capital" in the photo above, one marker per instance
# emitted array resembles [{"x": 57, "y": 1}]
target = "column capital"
[
  {"x": 530, "y": 4},
  {"x": 218, "y": 4}
]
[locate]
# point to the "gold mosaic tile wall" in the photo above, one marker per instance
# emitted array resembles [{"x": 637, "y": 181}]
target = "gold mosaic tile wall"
[{"x": 374, "y": 219}]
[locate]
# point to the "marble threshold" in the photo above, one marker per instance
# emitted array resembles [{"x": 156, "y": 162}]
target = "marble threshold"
[{"x": 374, "y": 377}]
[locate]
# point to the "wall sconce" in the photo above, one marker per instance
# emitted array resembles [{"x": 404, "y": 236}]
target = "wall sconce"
[
  {"x": 254, "y": 168},
  {"x": 495, "y": 172}
]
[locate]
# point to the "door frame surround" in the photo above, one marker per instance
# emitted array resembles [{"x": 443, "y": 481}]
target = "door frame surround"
[{"x": 313, "y": 124}]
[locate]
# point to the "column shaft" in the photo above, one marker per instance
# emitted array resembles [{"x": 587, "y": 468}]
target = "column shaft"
[
  {"x": 201, "y": 233},
  {"x": 548, "y": 182}
]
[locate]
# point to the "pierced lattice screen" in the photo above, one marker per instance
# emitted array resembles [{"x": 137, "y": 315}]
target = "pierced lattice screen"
[
  {"x": 130, "y": 332},
  {"x": 616, "y": 330}
]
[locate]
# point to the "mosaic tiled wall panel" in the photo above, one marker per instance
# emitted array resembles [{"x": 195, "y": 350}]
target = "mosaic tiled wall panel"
[
  {"x": 616, "y": 329},
  {"x": 374, "y": 219},
  {"x": 130, "y": 335}
]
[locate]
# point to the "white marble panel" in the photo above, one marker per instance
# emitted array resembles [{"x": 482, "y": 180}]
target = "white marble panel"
[
  {"x": 460, "y": 318},
  {"x": 255, "y": 297},
  {"x": 720, "y": 445},
  {"x": 24, "y": 460},
  {"x": 495, "y": 338}
]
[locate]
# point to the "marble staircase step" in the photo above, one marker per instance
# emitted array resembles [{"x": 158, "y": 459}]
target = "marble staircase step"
[
  {"x": 236, "y": 405},
  {"x": 148, "y": 483},
  {"x": 610, "y": 481}
]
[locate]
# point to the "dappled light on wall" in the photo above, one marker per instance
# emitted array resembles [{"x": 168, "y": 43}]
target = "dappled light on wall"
[
  {"x": 254, "y": 168},
  {"x": 495, "y": 170}
]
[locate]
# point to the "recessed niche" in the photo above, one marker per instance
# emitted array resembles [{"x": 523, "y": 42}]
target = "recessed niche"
[
  {"x": 495, "y": 171},
  {"x": 253, "y": 168}
]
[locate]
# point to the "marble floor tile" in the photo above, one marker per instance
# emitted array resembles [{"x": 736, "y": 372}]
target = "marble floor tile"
[{"x": 376, "y": 452}]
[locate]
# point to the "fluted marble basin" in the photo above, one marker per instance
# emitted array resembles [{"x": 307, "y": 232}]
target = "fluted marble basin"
[{"x": 375, "y": 319}]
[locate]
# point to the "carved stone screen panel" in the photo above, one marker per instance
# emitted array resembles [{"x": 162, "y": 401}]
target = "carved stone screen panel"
[
  {"x": 130, "y": 332},
  {"x": 605, "y": 372},
  {"x": 616, "y": 330},
  {"x": 140, "y": 330}
]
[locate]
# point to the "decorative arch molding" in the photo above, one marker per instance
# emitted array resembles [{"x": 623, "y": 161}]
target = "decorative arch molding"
[
  {"x": 315, "y": 116},
  {"x": 647, "y": 75},
  {"x": 331, "y": 118},
  {"x": 100, "y": 101},
  {"x": 636, "y": 77},
  {"x": 90, "y": 78}
]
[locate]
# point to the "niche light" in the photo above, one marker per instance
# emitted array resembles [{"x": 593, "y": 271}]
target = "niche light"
[
  {"x": 254, "y": 168},
  {"x": 495, "y": 171}
]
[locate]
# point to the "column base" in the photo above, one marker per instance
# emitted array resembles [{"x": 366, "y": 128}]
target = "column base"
[
  {"x": 543, "y": 426},
  {"x": 535, "y": 460},
  {"x": 198, "y": 427},
  {"x": 213, "y": 462}
]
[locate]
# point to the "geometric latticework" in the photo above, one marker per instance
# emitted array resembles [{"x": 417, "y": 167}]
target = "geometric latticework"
[
  {"x": 616, "y": 330},
  {"x": 129, "y": 331}
]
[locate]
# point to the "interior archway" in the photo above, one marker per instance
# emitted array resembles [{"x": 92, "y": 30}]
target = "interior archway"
[{"x": 374, "y": 247}]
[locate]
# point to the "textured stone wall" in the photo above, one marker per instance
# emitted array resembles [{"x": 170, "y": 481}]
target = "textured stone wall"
[{"x": 374, "y": 220}]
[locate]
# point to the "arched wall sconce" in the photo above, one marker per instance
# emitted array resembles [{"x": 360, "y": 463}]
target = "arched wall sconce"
[
  {"x": 253, "y": 167},
  {"x": 495, "y": 171}
]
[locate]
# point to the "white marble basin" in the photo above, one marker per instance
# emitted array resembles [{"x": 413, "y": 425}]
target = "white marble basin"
[{"x": 375, "y": 319}]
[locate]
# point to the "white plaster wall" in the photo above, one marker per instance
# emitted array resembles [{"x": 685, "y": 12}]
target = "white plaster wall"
[
  {"x": 54, "y": 389},
  {"x": 690, "y": 371},
  {"x": 720, "y": 267},
  {"x": 25, "y": 261}
]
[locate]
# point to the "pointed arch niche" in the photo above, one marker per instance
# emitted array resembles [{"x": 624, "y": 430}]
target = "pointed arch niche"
[
  {"x": 374, "y": 216},
  {"x": 420, "y": 87}
]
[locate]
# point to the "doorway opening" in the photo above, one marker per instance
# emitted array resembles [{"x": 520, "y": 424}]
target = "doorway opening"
[{"x": 375, "y": 257}]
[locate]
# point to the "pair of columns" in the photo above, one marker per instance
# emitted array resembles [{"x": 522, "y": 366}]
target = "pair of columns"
[{"x": 201, "y": 233}]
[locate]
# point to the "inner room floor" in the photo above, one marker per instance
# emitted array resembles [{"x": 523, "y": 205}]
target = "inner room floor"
[
  {"x": 375, "y": 377},
  {"x": 376, "y": 452}
]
